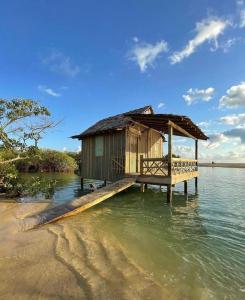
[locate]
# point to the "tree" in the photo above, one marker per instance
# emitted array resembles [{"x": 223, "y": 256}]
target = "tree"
[{"x": 22, "y": 124}]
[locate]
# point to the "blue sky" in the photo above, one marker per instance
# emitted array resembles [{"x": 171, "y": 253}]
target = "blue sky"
[{"x": 86, "y": 60}]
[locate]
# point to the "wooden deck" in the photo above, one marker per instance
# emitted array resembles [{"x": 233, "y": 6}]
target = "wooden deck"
[
  {"x": 166, "y": 180},
  {"x": 78, "y": 205}
]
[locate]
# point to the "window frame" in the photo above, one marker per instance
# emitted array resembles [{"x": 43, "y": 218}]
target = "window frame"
[{"x": 99, "y": 146}]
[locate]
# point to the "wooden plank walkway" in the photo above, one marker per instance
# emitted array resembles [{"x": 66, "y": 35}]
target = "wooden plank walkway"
[{"x": 76, "y": 206}]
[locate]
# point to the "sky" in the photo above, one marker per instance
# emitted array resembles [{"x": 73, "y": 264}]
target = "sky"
[{"x": 87, "y": 60}]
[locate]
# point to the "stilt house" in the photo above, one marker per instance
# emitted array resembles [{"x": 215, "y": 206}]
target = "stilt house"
[{"x": 131, "y": 144}]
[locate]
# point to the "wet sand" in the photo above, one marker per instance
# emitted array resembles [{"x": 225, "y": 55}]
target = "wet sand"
[{"x": 61, "y": 261}]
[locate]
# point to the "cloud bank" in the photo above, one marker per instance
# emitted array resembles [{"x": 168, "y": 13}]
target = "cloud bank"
[
  {"x": 195, "y": 95},
  {"x": 235, "y": 97}
]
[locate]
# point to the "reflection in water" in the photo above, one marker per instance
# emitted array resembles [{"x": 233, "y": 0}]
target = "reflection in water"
[{"x": 134, "y": 245}]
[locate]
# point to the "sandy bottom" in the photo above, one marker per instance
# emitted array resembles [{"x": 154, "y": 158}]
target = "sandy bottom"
[{"x": 64, "y": 261}]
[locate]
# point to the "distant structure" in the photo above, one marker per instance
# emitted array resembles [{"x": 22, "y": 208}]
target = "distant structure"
[{"x": 131, "y": 145}]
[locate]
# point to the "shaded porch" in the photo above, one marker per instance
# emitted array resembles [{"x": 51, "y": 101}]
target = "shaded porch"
[{"x": 169, "y": 170}]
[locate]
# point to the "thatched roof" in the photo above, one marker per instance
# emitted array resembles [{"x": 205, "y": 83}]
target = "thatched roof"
[
  {"x": 145, "y": 116},
  {"x": 160, "y": 122},
  {"x": 113, "y": 123}
]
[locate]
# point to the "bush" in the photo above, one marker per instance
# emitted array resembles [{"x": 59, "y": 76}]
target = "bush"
[
  {"x": 41, "y": 161},
  {"x": 48, "y": 161}
]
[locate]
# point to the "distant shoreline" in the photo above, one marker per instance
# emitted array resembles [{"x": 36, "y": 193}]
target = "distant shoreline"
[{"x": 222, "y": 165}]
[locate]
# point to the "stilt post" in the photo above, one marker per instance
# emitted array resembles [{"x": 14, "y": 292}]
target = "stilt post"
[
  {"x": 185, "y": 187},
  {"x": 169, "y": 193},
  {"x": 196, "y": 158},
  {"x": 82, "y": 185},
  {"x": 142, "y": 187},
  {"x": 170, "y": 154},
  {"x": 170, "y": 142},
  {"x": 141, "y": 164}
]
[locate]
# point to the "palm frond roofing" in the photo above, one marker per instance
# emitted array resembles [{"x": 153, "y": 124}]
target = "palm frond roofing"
[{"x": 141, "y": 115}]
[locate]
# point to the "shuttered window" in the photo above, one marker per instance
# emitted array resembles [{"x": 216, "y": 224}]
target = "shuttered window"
[{"x": 99, "y": 146}]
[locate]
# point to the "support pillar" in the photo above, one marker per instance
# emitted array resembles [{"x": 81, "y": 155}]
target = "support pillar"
[
  {"x": 170, "y": 142},
  {"x": 142, "y": 187},
  {"x": 105, "y": 182},
  {"x": 196, "y": 184},
  {"x": 185, "y": 187},
  {"x": 169, "y": 193},
  {"x": 196, "y": 157},
  {"x": 146, "y": 186},
  {"x": 82, "y": 185}
]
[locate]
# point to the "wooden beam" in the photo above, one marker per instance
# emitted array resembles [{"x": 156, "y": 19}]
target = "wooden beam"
[
  {"x": 196, "y": 149},
  {"x": 78, "y": 205},
  {"x": 180, "y": 129},
  {"x": 170, "y": 147},
  {"x": 196, "y": 157},
  {"x": 141, "y": 164}
]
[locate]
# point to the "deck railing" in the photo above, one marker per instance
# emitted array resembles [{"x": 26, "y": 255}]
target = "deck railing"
[
  {"x": 159, "y": 166},
  {"x": 183, "y": 165},
  {"x": 154, "y": 166}
]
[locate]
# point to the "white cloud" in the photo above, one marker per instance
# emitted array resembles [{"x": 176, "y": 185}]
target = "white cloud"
[
  {"x": 216, "y": 140},
  {"x": 184, "y": 151},
  {"x": 135, "y": 39},
  {"x": 145, "y": 54},
  {"x": 228, "y": 44},
  {"x": 61, "y": 63},
  {"x": 241, "y": 10},
  {"x": 195, "y": 95},
  {"x": 230, "y": 136},
  {"x": 238, "y": 119},
  {"x": 160, "y": 105},
  {"x": 48, "y": 91},
  {"x": 236, "y": 133},
  {"x": 79, "y": 149},
  {"x": 208, "y": 30},
  {"x": 235, "y": 96},
  {"x": 242, "y": 18},
  {"x": 204, "y": 124}
]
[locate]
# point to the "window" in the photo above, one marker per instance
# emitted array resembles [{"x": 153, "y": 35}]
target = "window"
[{"x": 99, "y": 146}]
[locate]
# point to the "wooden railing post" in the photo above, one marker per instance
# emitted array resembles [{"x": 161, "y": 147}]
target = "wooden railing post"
[
  {"x": 141, "y": 165},
  {"x": 196, "y": 157},
  {"x": 170, "y": 142}
]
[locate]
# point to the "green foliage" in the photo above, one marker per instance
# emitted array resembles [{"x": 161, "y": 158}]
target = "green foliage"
[
  {"x": 8, "y": 177},
  {"x": 39, "y": 185},
  {"x": 47, "y": 160},
  {"x": 22, "y": 124},
  {"x": 16, "y": 123}
]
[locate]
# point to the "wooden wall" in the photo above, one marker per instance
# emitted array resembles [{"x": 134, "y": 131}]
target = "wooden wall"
[
  {"x": 147, "y": 142},
  {"x": 122, "y": 150},
  {"x": 111, "y": 165}
]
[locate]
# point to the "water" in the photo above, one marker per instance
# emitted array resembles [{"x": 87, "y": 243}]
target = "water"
[{"x": 194, "y": 249}]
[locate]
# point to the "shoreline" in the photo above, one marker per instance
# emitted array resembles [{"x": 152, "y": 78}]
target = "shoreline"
[{"x": 222, "y": 165}]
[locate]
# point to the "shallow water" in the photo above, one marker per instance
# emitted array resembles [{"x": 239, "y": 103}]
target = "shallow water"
[{"x": 132, "y": 246}]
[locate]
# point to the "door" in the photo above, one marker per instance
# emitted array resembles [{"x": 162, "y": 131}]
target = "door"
[{"x": 133, "y": 153}]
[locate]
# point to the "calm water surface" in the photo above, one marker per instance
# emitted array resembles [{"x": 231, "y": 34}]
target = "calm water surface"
[{"x": 196, "y": 247}]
